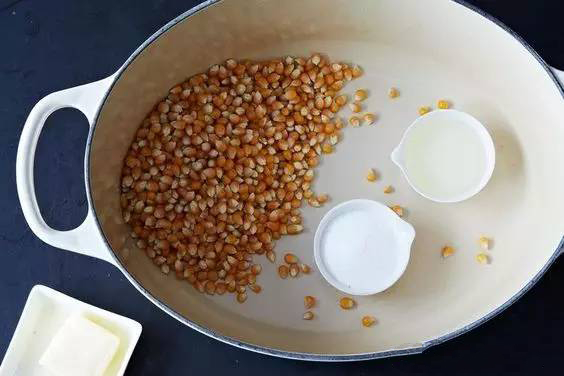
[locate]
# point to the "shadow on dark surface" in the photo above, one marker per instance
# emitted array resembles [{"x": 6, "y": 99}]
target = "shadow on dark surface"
[
  {"x": 51, "y": 45},
  {"x": 538, "y": 22}
]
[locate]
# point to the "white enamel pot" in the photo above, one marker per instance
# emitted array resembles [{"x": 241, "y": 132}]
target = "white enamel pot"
[{"x": 429, "y": 50}]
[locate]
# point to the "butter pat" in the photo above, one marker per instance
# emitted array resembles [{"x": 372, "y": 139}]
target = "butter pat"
[{"x": 80, "y": 348}]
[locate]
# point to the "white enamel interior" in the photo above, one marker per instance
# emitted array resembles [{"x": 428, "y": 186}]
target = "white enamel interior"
[{"x": 402, "y": 43}]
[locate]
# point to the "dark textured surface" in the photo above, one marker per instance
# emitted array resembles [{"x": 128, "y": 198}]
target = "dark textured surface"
[{"x": 51, "y": 45}]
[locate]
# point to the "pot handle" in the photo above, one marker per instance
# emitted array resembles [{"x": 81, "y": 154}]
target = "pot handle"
[
  {"x": 559, "y": 75},
  {"x": 86, "y": 238}
]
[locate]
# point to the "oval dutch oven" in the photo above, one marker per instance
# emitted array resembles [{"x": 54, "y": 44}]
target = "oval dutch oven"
[{"x": 429, "y": 50}]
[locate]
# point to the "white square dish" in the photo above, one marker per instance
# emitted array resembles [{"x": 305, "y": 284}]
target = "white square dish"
[{"x": 44, "y": 313}]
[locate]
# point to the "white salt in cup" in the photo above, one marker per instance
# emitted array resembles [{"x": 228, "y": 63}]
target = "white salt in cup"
[{"x": 362, "y": 247}]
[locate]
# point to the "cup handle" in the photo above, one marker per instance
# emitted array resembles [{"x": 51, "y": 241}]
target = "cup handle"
[
  {"x": 397, "y": 157},
  {"x": 86, "y": 238}
]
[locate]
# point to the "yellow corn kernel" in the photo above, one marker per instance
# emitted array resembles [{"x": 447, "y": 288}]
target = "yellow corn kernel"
[
  {"x": 356, "y": 71},
  {"x": 447, "y": 251},
  {"x": 339, "y": 123},
  {"x": 354, "y": 121},
  {"x": 341, "y": 100},
  {"x": 360, "y": 95},
  {"x": 309, "y": 301},
  {"x": 305, "y": 268},
  {"x": 308, "y": 315},
  {"x": 482, "y": 258},
  {"x": 327, "y": 148},
  {"x": 371, "y": 176},
  {"x": 314, "y": 203},
  {"x": 368, "y": 321},
  {"x": 484, "y": 243},
  {"x": 294, "y": 270},
  {"x": 241, "y": 297},
  {"x": 295, "y": 229},
  {"x": 355, "y": 107},
  {"x": 388, "y": 189},
  {"x": 369, "y": 118},
  {"x": 333, "y": 139},
  {"x": 393, "y": 92},
  {"x": 323, "y": 198},
  {"x": 290, "y": 258},
  {"x": 283, "y": 271},
  {"x": 397, "y": 209},
  {"x": 346, "y": 303},
  {"x": 424, "y": 109},
  {"x": 291, "y": 94},
  {"x": 443, "y": 104}
]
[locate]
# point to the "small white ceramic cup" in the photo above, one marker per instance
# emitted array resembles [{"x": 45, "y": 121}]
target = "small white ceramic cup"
[
  {"x": 362, "y": 247},
  {"x": 455, "y": 117}
]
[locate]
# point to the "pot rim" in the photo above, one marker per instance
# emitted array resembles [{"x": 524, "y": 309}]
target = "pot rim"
[{"x": 292, "y": 354}]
